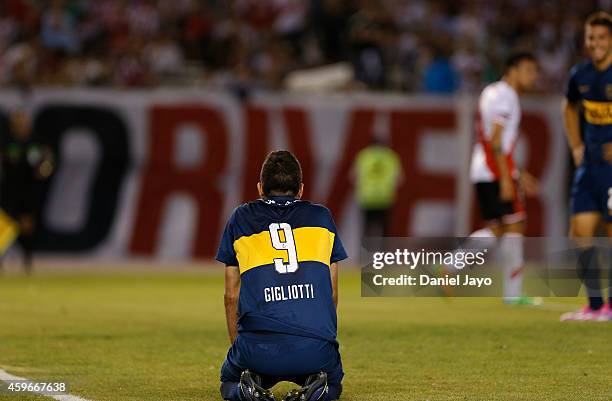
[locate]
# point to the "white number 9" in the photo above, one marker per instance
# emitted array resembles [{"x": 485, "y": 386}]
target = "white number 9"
[{"x": 288, "y": 245}]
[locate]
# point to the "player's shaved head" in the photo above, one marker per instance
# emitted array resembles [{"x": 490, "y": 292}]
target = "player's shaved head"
[{"x": 281, "y": 174}]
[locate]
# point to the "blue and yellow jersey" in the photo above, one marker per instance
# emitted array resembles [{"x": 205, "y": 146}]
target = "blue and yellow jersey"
[
  {"x": 284, "y": 247},
  {"x": 592, "y": 90}
]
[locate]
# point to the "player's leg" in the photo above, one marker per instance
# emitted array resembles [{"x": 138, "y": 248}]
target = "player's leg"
[
  {"x": 487, "y": 195},
  {"x": 608, "y": 309},
  {"x": 316, "y": 366},
  {"x": 374, "y": 222},
  {"x": 321, "y": 386},
  {"x": 591, "y": 200},
  {"x": 586, "y": 207},
  {"x": 385, "y": 216},
  {"x": 238, "y": 383},
  {"x": 26, "y": 239},
  {"x": 334, "y": 381},
  {"x": 484, "y": 238},
  {"x": 583, "y": 227},
  {"x": 230, "y": 382},
  {"x": 512, "y": 251},
  {"x": 512, "y": 247}
]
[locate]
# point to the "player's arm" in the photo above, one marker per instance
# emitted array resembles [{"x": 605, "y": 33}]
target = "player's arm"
[
  {"x": 232, "y": 292},
  {"x": 506, "y": 187},
  {"x": 334, "y": 279},
  {"x": 571, "y": 120},
  {"x": 530, "y": 184}
]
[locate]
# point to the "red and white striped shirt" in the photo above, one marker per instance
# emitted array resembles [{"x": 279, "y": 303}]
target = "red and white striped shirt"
[{"x": 498, "y": 104}]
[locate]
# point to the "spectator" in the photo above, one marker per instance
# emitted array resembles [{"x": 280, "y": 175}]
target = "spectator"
[
  {"x": 369, "y": 31},
  {"x": 440, "y": 76},
  {"x": 330, "y": 20},
  {"x": 164, "y": 56},
  {"x": 58, "y": 30},
  {"x": 54, "y": 40}
]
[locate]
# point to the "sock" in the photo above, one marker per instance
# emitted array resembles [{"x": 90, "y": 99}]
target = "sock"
[
  {"x": 588, "y": 271},
  {"x": 511, "y": 248}
]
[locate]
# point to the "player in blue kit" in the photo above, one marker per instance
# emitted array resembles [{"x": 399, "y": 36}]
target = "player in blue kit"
[
  {"x": 587, "y": 113},
  {"x": 281, "y": 291}
]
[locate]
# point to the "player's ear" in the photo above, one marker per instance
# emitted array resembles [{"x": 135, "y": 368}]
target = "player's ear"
[
  {"x": 260, "y": 190},
  {"x": 301, "y": 191}
]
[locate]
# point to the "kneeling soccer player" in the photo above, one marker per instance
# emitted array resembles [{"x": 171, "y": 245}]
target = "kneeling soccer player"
[{"x": 281, "y": 291}]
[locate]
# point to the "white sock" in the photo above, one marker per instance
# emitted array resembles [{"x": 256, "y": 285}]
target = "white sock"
[{"x": 511, "y": 247}]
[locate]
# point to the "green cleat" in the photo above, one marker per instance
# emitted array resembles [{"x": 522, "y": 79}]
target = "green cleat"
[{"x": 523, "y": 300}]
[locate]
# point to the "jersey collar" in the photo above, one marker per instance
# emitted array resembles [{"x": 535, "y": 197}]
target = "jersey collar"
[{"x": 280, "y": 200}]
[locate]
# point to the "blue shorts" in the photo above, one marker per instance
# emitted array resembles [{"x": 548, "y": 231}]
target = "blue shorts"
[
  {"x": 280, "y": 357},
  {"x": 592, "y": 190}
]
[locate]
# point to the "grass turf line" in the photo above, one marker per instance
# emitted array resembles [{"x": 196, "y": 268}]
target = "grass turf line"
[{"x": 162, "y": 336}]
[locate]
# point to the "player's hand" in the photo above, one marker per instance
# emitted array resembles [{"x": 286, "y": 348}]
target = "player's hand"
[
  {"x": 506, "y": 190},
  {"x": 607, "y": 152},
  {"x": 530, "y": 184},
  {"x": 578, "y": 154}
]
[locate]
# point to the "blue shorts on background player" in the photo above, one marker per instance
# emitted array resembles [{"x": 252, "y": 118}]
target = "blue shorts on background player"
[{"x": 281, "y": 281}]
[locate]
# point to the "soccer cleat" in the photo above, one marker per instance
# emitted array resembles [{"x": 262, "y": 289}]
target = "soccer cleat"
[
  {"x": 586, "y": 314},
  {"x": 523, "y": 300},
  {"x": 605, "y": 314},
  {"x": 314, "y": 389},
  {"x": 251, "y": 390},
  {"x": 293, "y": 395}
]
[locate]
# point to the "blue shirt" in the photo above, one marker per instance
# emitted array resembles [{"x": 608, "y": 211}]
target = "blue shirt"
[
  {"x": 592, "y": 90},
  {"x": 441, "y": 77},
  {"x": 283, "y": 248}
]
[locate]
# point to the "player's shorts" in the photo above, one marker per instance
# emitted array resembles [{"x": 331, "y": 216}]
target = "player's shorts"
[
  {"x": 592, "y": 190},
  {"x": 494, "y": 210},
  {"x": 279, "y": 357}
]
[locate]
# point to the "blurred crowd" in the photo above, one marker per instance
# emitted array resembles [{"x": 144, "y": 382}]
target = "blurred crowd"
[{"x": 435, "y": 46}]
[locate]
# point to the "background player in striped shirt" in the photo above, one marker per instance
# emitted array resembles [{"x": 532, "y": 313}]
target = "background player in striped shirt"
[
  {"x": 281, "y": 290},
  {"x": 498, "y": 182}
]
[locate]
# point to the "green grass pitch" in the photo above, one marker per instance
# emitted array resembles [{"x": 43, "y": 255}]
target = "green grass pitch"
[{"x": 161, "y": 336}]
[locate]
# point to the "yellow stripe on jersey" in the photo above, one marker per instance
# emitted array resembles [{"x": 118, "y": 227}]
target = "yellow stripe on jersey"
[
  {"x": 597, "y": 113},
  {"x": 8, "y": 231},
  {"x": 312, "y": 244}
]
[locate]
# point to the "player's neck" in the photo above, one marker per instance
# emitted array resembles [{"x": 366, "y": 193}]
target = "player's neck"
[
  {"x": 512, "y": 82},
  {"x": 603, "y": 64}
]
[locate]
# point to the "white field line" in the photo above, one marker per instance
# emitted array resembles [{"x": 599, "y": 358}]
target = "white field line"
[{"x": 5, "y": 376}]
